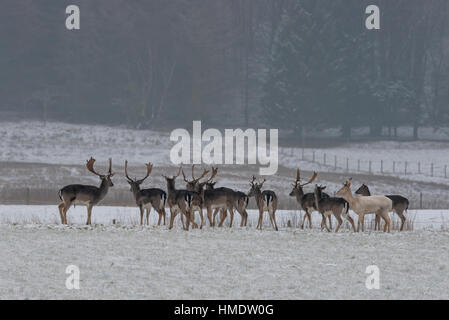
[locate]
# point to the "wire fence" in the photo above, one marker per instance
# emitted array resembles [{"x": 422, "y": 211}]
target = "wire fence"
[{"x": 338, "y": 163}]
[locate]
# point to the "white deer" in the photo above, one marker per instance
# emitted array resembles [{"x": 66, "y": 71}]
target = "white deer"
[{"x": 380, "y": 205}]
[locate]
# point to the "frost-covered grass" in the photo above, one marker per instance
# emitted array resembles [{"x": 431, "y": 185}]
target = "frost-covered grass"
[
  {"x": 129, "y": 216},
  {"x": 153, "y": 263}
]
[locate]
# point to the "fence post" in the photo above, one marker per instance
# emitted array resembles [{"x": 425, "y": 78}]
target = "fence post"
[
  {"x": 335, "y": 163},
  {"x": 420, "y": 200},
  {"x": 381, "y": 166},
  {"x": 445, "y": 171},
  {"x": 419, "y": 167},
  {"x": 369, "y": 167},
  {"x": 27, "y": 196},
  {"x": 405, "y": 168},
  {"x": 394, "y": 166},
  {"x": 358, "y": 165},
  {"x": 431, "y": 169},
  {"x": 313, "y": 156},
  {"x": 347, "y": 164},
  {"x": 324, "y": 158},
  {"x": 302, "y": 153}
]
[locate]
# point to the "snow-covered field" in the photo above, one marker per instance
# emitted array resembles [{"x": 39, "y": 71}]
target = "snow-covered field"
[
  {"x": 133, "y": 262},
  {"x": 55, "y": 142}
]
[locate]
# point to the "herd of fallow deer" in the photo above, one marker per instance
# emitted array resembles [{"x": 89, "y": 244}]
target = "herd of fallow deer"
[{"x": 200, "y": 194}]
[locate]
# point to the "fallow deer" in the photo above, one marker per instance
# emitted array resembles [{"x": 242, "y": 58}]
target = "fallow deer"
[
  {"x": 84, "y": 194},
  {"x": 380, "y": 205},
  {"x": 196, "y": 187},
  {"x": 239, "y": 202},
  {"x": 147, "y": 198},
  {"x": 331, "y": 205},
  {"x": 266, "y": 201},
  {"x": 178, "y": 200},
  {"x": 306, "y": 200},
  {"x": 400, "y": 205}
]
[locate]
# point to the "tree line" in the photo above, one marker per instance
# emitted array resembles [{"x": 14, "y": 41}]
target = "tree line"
[{"x": 292, "y": 64}]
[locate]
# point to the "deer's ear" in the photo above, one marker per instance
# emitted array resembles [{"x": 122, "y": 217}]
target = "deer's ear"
[{"x": 322, "y": 188}]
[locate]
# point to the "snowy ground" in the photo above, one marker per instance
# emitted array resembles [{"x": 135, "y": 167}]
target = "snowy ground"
[{"x": 118, "y": 262}]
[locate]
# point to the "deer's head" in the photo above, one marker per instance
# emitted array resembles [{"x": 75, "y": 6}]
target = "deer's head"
[
  {"x": 135, "y": 183},
  {"x": 363, "y": 190},
  {"x": 346, "y": 189},
  {"x": 255, "y": 187},
  {"x": 105, "y": 178},
  {"x": 297, "y": 186}
]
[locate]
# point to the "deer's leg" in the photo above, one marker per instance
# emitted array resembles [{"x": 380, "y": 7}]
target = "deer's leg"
[
  {"x": 325, "y": 223},
  {"x": 351, "y": 221},
  {"x": 259, "y": 224},
  {"x": 340, "y": 221},
  {"x": 223, "y": 215},
  {"x": 89, "y": 213},
  {"x": 148, "y": 216},
  {"x": 231, "y": 213},
  {"x": 386, "y": 218},
  {"x": 209, "y": 215},
  {"x": 273, "y": 219},
  {"x": 188, "y": 215},
  {"x": 377, "y": 223},
  {"x": 304, "y": 219},
  {"x": 160, "y": 214},
  {"x": 403, "y": 219},
  {"x": 173, "y": 214},
  {"x": 358, "y": 222},
  {"x": 330, "y": 221},
  {"x": 64, "y": 212},
  {"x": 61, "y": 214},
  {"x": 141, "y": 214},
  {"x": 362, "y": 222},
  {"x": 201, "y": 218}
]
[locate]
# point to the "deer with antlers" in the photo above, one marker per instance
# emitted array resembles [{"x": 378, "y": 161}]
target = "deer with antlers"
[
  {"x": 380, "y": 205},
  {"x": 178, "y": 200},
  {"x": 147, "y": 198},
  {"x": 306, "y": 200},
  {"x": 196, "y": 187},
  {"x": 266, "y": 201},
  {"x": 84, "y": 194}
]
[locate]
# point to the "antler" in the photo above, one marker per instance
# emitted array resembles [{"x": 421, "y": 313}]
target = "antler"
[
  {"x": 212, "y": 176},
  {"x": 90, "y": 166},
  {"x": 261, "y": 184},
  {"x": 185, "y": 179},
  {"x": 126, "y": 171},
  {"x": 195, "y": 180},
  {"x": 149, "y": 166},
  {"x": 110, "y": 168},
  {"x": 252, "y": 180},
  {"x": 298, "y": 178},
  {"x": 315, "y": 174}
]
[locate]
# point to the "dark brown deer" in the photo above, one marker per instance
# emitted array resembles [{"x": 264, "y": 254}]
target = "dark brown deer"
[
  {"x": 239, "y": 202},
  {"x": 84, "y": 194},
  {"x": 147, "y": 198},
  {"x": 178, "y": 200},
  {"x": 400, "y": 205},
  {"x": 266, "y": 201},
  {"x": 196, "y": 187},
  {"x": 306, "y": 200},
  {"x": 331, "y": 205}
]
